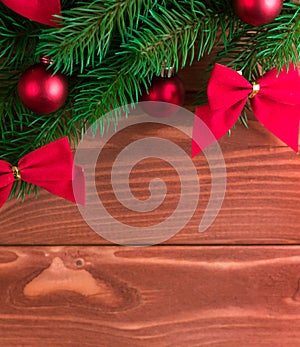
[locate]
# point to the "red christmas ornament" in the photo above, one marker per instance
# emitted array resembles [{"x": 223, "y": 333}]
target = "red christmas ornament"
[
  {"x": 41, "y": 11},
  {"x": 41, "y": 91},
  {"x": 257, "y": 12},
  {"x": 169, "y": 91}
]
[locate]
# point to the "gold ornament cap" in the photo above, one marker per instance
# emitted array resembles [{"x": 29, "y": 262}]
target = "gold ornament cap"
[{"x": 167, "y": 71}]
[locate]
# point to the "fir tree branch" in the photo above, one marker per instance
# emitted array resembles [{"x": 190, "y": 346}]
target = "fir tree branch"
[
  {"x": 168, "y": 35},
  {"x": 18, "y": 36},
  {"x": 88, "y": 31},
  {"x": 273, "y": 45}
]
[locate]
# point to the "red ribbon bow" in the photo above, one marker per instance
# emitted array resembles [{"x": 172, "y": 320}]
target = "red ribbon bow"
[
  {"x": 274, "y": 98},
  {"x": 50, "y": 167},
  {"x": 41, "y": 11}
]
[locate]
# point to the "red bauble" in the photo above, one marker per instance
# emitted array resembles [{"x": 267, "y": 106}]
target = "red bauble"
[
  {"x": 169, "y": 91},
  {"x": 41, "y": 91},
  {"x": 257, "y": 12}
]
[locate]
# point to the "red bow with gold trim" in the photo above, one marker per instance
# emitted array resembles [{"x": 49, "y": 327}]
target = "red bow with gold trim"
[
  {"x": 274, "y": 99},
  {"x": 50, "y": 167}
]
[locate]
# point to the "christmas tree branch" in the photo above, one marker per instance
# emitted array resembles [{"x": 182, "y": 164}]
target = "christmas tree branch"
[
  {"x": 273, "y": 45},
  {"x": 88, "y": 31},
  {"x": 17, "y": 38},
  {"x": 167, "y": 36}
]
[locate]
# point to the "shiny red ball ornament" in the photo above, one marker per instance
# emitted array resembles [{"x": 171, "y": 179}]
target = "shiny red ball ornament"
[
  {"x": 41, "y": 91},
  {"x": 169, "y": 91},
  {"x": 257, "y": 12}
]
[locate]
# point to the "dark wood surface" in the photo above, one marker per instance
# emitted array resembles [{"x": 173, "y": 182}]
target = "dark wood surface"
[
  {"x": 235, "y": 285},
  {"x": 155, "y": 296},
  {"x": 261, "y": 204}
]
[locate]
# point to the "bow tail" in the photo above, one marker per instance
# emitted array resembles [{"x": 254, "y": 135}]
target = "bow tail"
[
  {"x": 281, "y": 119},
  {"x": 4, "y": 193},
  {"x": 69, "y": 189},
  {"x": 210, "y": 125},
  {"x": 6, "y": 181},
  {"x": 78, "y": 185}
]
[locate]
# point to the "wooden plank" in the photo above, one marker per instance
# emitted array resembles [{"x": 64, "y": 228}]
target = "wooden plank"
[
  {"x": 155, "y": 296},
  {"x": 261, "y": 204}
]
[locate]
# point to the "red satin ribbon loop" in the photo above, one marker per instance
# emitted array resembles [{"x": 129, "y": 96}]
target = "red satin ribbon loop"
[
  {"x": 50, "y": 167},
  {"x": 275, "y": 103}
]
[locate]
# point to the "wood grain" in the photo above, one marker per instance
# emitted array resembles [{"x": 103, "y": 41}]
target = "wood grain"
[
  {"x": 261, "y": 205},
  {"x": 195, "y": 295},
  {"x": 155, "y": 296}
]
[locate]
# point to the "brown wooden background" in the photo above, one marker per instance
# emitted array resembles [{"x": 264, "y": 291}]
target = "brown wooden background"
[{"x": 237, "y": 284}]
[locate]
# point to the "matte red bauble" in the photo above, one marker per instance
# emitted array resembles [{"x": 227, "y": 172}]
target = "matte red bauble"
[
  {"x": 169, "y": 91},
  {"x": 41, "y": 91},
  {"x": 257, "y": 12}
]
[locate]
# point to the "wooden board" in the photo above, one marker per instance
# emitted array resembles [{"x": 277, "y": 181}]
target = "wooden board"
[
  {"x": 261, "y": 204},
  {"x": 158, "y": 296}
]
